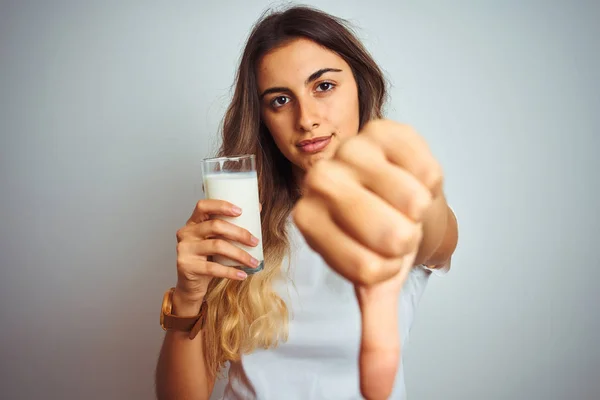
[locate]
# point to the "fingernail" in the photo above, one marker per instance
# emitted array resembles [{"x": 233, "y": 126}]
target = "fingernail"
[
  {"x": 241, "y": 275},
  {"x": 236, "y": 210},
  {"x": 254, "y": 241},
  {"x": 254, "y": 261}
]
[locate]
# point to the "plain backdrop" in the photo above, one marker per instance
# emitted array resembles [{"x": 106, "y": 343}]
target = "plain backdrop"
[{"x": 107, "y": 108}]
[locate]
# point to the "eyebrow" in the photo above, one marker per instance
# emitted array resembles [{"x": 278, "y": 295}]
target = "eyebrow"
[{"x": 313, "y": 77}]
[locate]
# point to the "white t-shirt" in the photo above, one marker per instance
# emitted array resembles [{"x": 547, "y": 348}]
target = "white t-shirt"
[{"x": 320, "y": 358}]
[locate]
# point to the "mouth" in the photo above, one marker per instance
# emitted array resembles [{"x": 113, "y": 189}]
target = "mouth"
[{"x": 314, "y": 145}]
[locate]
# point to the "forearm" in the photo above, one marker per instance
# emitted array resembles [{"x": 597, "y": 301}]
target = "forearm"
[
  {"x": 181, "y": 371},
  {"x": 439, "y": 234}
]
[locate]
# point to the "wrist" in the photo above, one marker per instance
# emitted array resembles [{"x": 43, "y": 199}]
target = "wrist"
[{"x": 184, "y": 305}]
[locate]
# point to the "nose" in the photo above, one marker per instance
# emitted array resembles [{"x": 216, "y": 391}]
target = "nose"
[{"x": 309, "y": 118}]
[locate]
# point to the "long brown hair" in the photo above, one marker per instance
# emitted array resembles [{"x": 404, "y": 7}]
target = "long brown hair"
[{"x": 244, "y": 315}]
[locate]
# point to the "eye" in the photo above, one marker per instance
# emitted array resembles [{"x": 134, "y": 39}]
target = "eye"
[
  {"x": 325, "y": 86},
  {"x": 279, "y": 101}
]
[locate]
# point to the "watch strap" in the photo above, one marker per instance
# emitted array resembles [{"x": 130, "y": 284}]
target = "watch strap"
[{"x": 168, "y": 321}]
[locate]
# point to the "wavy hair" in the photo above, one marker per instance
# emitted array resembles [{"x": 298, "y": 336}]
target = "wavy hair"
[{"x": 245, "y": 315}]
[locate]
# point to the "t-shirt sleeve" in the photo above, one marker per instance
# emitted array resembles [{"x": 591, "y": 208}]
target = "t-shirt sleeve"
[{"x": 440, "y": 270}]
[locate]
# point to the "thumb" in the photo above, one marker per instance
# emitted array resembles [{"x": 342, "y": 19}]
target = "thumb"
[{"x": 380, "y": 340}]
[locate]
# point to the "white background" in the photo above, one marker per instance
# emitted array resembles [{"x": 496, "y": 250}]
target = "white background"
[{"x": 107, "y": 108}]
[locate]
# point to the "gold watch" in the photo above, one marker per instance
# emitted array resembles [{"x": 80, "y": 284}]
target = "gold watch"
[{"x": 168, "y": 321}]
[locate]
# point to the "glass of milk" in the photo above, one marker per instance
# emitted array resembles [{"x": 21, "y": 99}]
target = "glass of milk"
[{"x": 234, "y": 179}]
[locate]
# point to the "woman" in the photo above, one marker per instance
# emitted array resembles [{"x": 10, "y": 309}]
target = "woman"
[{"x": 354, "y": 218}]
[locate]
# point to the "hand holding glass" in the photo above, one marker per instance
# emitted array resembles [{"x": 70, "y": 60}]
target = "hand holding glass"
[{"x": 234, "y": 179}]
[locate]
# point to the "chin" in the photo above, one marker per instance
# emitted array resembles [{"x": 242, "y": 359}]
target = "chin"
[
  {"x": 304, "y": 162},
  {"x": 313, "y": 159}
]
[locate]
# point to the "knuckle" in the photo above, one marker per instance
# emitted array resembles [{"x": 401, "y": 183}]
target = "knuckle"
[
  {"x": 220, "y": 246},
  {"x": 181, "y": 248},
  {"x": 377, "y": 123},
  {"x": 435, "y": 172},
  {"x": 345, "y": 150},
  {"x": 367, "y": 270},
  {"x": 183, "y": 265},
  {"x": 374, "y": 134},
  {"x": 180, "y": 234},
  {"x": 436, "y": 176},
  {"x": 417, "y": 205},
  {"x": 305, "y": 214},
  {"x": 384, "y": 129},
  {"x": 406, "y": 128},
  {"x": 319, "y": 177},
  {"x": 389, "y": 126},
  {"x": 216, "y": 225},
  {"x": 299, "y": 214},
  {"x": 312, "y": 177},
  {"x": 180, "y": 262},
  {"x": 397, "y": 239},
  {"x": 430, "y": 175},
  {"x": 350, "y": 149}
]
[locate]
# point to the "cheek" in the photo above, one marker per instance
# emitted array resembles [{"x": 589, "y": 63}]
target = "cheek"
[
  {"x": 348, "y": 120},
  {"x": 279, "y": 131},
  {"x": 273, "y": 126}
]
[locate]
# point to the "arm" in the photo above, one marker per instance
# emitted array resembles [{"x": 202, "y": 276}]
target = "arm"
[
  {"x": 181, "y": 371},
  {"x": 440, "y": 235}
]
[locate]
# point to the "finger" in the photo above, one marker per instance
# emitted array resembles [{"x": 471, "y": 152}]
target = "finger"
[
  {"x": 403, "y": 146},
  {"x": 202, "y": 267},
  {"x": 207, "y": 207},
  {"x": 224, "y": 229},
  {"x": 359, "y": 212},
  {"x": 212, "y": 247},
  {"x": 398, "y": 187},
  {"x": 341, "y": 252},
  {"x": 380, "y": 347}
]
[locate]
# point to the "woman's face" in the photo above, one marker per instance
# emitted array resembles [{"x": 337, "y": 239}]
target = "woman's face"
[{"x": 309, "y": 101}]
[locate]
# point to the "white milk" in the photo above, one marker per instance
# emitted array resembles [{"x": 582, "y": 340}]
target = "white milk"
[{"x": 240, "y": 189}]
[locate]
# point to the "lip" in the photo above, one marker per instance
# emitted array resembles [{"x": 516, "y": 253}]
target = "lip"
[{"x": 314, "y": 145}]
